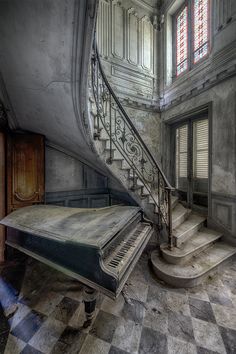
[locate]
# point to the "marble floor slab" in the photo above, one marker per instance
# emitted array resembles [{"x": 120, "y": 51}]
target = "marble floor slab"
[{"x": 45, "y": 313}]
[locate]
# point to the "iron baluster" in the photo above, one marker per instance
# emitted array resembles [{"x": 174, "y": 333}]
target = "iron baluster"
[
  {"x": 109, "y": 160},
  {"x": 170, "y": 235},
  {"x": 159, "y": 199},
  {"x": 124, "y": 137}
]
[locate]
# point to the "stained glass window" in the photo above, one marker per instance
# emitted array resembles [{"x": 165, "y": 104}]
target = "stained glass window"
[
  {"x": 201, "y": 43},
  {"x": 182, "y": 41}
]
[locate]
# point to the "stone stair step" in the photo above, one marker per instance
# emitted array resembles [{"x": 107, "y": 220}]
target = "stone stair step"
[
  {"x": 174, "y": 201},
  {"x": 179, "y": 214},
  {"x": 200, "y": 241},
  {"x": 103, "y": 134},
  {"x": 187, "y": 228},
  {"x": 197, "y": 270}
]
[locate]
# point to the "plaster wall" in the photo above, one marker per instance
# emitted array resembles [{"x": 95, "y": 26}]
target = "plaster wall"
[
  {"x": 44, "y": 65},
  {"x": 73, "y": 183},
  {"x": 66, "y": 173},
  {"x": 148, "y": 124},
  {"x": 211, "y": 83},
  {"x": 222, "y": 113}
]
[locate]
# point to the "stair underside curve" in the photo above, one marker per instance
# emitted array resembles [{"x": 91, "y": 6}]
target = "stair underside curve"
[{"x": 197, "y": 270}]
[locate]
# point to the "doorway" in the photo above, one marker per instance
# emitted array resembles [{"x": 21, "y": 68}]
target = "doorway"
[{"x": 191, "y": 161}]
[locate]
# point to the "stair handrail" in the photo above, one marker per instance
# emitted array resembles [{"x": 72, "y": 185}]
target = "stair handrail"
[{"x": 167, "y": 186}]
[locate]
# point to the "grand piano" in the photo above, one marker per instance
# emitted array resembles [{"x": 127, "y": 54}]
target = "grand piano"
[{"x": 98, "y": 247}]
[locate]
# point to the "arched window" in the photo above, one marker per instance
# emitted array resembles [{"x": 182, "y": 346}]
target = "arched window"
[{"x": 191, "y": 33}]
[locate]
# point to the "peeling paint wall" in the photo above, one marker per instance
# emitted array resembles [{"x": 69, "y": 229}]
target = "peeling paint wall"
[
  {"x": 148, "y": 125},
  {"x": 223, "y": 149}
]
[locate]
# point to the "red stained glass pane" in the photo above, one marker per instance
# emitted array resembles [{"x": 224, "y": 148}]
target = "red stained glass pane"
[
  {"x": 201, "y": 43},
  {"x": 182, "y": 41}
]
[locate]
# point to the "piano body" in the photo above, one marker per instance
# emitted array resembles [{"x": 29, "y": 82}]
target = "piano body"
[{"x": 98, "y": 247}]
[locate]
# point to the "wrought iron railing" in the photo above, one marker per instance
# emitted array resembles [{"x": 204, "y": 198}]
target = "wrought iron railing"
[{"x": 124, "y": 137}]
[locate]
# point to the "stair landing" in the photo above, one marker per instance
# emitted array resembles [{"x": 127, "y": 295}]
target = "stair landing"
[
  {"x": 197, "y": 250},
  {"x": 193, "y": 273}
]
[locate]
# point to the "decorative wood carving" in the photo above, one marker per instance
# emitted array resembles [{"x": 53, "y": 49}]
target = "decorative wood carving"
[{"x": 25, "y": 170}]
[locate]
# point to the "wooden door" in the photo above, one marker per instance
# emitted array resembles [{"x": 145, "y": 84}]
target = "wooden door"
[
  {"x": 25, "y": 170},
  {"x": 2, "y": 194}
]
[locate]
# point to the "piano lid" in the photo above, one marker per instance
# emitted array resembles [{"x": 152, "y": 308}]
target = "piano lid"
[{"x": 88, "y": 227}]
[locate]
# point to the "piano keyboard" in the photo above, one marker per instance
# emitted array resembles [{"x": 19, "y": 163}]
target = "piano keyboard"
[{"x": 122, "y": 256}]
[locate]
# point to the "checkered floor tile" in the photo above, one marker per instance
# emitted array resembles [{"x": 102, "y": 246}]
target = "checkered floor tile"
[{"x": 149, "y": 317}]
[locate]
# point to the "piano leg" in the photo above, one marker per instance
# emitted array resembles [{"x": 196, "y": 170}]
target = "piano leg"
[{"x": 89, "y": 298}]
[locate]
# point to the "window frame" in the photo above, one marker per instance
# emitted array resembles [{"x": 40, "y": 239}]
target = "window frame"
[
  {"x": 180, "y": 9},
  {"x": 208, "y": 33},
  {"x": 190, "y": 42}
]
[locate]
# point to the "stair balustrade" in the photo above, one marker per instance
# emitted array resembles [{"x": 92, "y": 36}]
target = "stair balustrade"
[{"x": 124, "y": 137}]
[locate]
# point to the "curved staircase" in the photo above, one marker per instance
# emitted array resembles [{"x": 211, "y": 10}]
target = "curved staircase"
[
  {"x": 198, "y": 250},
  {"x": 192, "y": 250}
]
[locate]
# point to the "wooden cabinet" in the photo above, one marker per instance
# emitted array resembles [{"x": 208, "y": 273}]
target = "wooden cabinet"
[
  {"x": 25, "y": 170},
  {"x": 2, "y": 193}
]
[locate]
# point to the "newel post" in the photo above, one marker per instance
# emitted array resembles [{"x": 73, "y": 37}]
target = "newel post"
[{"x": 170, "y": 235}]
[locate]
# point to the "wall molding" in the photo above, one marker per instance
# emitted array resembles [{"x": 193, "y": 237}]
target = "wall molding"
[
  {"x": 127, "y": 42},
  {"x": 89, "y": 198},
  {"x": 133, "y": 36},
  {"x": 147, "y": 45},
  {"x": 83, "y": 198},
  {"x": 224, "y": 197},
  {"x": 118, "y": 30},
  {"x": 205, "y": 86},
  {"x": 147, "y": 6}
]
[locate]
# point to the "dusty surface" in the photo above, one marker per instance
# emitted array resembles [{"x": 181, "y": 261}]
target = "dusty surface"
[{"x": 149, "y": 317}]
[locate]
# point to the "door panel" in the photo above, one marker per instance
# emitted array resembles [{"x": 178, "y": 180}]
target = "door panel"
[
  {"x": 25, "y": 170},
  {"x": 181, "y": 158},
  {"x": 2, "y": 194},
  {"x": 200, "y": 162},
  {"x": 191, "y": 161}
]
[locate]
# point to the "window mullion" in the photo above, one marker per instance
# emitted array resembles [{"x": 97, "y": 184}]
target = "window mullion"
[{"x": 190, "y": 34}]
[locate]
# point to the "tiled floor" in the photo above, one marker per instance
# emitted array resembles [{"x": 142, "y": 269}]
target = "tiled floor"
[{"x": 149, "y": 317}]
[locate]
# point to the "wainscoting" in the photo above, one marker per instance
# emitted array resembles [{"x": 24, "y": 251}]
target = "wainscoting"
[
  {"x": 92, "y": 198},
  {"x": 224, "y": 213}
]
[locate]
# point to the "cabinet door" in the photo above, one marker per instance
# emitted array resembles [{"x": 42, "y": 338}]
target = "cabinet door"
[
  {"x": 25, "y": 169},
  {"x": 2, "y": 194}
]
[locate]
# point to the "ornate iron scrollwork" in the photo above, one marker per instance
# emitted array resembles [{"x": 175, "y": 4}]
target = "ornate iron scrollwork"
[{"x": 124, "y": 137}]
